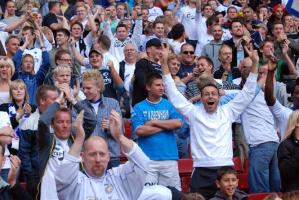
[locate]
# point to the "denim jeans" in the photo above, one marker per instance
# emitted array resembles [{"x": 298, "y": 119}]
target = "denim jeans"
[
  {"x": 4, "y": 174},
  {"x": 182, "y": 147},
  {"x": 263, "y": 168}
]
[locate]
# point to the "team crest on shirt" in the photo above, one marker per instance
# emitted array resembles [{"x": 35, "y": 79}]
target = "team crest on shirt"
[
  {"x": 108, "y": 188},
  {"x": 58, "y": 152}
]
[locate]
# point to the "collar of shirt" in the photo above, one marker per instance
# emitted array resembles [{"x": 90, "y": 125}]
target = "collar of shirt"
[{"x": 99, "y": 101}]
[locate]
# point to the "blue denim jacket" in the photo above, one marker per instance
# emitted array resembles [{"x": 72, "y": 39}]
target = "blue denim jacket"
[{"x": 104, "y": 110}]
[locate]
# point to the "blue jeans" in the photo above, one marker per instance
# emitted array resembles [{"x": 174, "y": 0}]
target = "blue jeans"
[
  {"x": 182, "y": 145},
  {"x": 4, "y": 174},
  {"x": 263, "y": 168}
]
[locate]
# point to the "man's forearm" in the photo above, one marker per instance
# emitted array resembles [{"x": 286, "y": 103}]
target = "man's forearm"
[
  {"x": 14, "y": 25},
  {"x": 167, "y": 124},
  {"x": 290, "y": 64},
  {"x": 269, "y": 97},
  {"x": 125, "y": 143},
  {"x": 76, "y": 148},
  {"x": 146, "y": 130}
]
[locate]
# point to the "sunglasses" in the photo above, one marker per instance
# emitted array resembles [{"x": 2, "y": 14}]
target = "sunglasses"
[{"x": 188, "y": 52}]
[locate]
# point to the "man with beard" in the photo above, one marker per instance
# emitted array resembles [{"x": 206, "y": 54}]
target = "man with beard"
[
  {"x": 211, "y": 49},
  {"x": 236, "y": 42}
]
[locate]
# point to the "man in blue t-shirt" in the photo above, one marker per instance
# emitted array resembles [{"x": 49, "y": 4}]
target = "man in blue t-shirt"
[{"x": 154, "y": 120}]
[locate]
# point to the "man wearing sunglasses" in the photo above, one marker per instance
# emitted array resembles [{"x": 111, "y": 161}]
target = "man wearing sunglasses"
[{"x": 187, "y": 62}]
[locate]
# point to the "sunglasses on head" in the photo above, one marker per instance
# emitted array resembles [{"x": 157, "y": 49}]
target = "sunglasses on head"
[{"x": 188, "y": 52}]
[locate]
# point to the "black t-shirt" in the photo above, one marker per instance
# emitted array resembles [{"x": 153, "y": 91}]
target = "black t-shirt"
[
  {"x": 185, "y": 70},
  {"x": 143, "y": 68},
  {"x": 108, "y": 82}
]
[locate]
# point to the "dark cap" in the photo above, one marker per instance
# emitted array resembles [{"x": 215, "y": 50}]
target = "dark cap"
[
  {"x": 154, "y": 42},
  {"x": 95, "y": 51}
]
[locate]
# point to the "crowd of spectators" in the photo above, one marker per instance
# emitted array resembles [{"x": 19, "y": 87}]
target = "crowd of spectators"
[{"x": 207, "y": 80}]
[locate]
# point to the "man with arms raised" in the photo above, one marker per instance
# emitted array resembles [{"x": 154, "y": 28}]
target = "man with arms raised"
[
  {"x": 95, "y": 182},
  {"x": 210, "y": 126}
]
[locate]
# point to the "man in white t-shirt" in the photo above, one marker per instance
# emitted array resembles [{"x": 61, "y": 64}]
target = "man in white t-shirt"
[
  {"x": 154, "y": 11},
  {"x": 187, "y": 18},
  {"x": 204, "y": 34},
  {"x": 210, "y": 126}
]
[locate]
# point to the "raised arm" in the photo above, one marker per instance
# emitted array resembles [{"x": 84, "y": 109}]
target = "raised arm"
[
  {"x": 107, "y": 27},
  {"x": 17, "y": 58},
  {"x": 198, "y": 6},
  {"x": 269, "y": 95},
  {"x": 244, "y": 98},
  {"x": 77, "y": 55},
  {"x": 67, "y": 173},
  {"x": 182, "y": 105},
  {"x": 137, "y": 32},
  {"x": 115, "y": 76},
  {"x": 13, "y": 26},
  {"x": 177, "y": 6},
  {"x": 285, "y": 55},
  {"x": 116, "y": 129},
  {"x": 43, "y": 70},
  {"x": 92, "y": 24},
  {"x": 43, "y": 131},
  {"x": 76, "y": 148}
]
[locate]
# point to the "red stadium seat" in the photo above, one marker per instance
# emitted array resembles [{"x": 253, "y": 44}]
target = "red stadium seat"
[
  {"x": 185, "y": 167},
  {"x": 246, "y": 165},
  {"x": 128, "y": 129},
  {"x": 258, "y": 196},
  {"x": 243, "y": 181},
  {"x": 185, "y": 180},
  {"x": 238, "y": 164}
]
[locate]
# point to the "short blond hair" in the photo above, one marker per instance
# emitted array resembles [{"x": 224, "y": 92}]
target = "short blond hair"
[
  {"x": 61, "y": 68},
  {"x": 292, "y": 122},
  {"x": 203, "y": 80},
  {"x": 95, "y": 76},
  {"x": 14, "y": 85},
  {"x": 7, "y": 61}
]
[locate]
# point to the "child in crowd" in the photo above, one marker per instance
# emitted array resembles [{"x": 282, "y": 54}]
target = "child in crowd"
[{"x": 227, "y": 183}]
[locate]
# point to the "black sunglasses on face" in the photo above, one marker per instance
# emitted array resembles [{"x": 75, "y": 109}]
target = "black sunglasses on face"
[{"x": 188, "y": 52}]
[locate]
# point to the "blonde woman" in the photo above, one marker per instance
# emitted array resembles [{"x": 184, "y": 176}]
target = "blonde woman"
[
  {"x": 7, "y": 69},
  {"x": 288, "y": 155},
  {"x": 18, "y": 110}
]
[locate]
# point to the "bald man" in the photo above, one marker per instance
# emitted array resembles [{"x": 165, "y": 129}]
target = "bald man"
[{"x": 95, "y": 181}]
